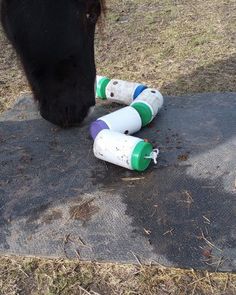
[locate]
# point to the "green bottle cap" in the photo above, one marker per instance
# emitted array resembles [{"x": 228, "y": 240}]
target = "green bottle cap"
[
  {"x": 101, "y": 88},
  {"x": 144, "y": 111},
  {"x": 139, "y": 162}
]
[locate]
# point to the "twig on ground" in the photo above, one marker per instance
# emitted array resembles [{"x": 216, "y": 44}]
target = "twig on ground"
[
  {"x": 155, "y": 210},
  {"x": 189, "y": 197},
  {"x": 84, "y": 290},
  {"x": 23, "y": 272},
  {"x": 219, "y": 263},
  {"x": 209, "y": 280},
  {"x": 208, "y": 242},
  {"x": 81, "y": 288},
  {"x": 208, "y": 221},
  {"x": 194, "y": 288},
  {"x": 226, "y": 282},
  {"x": 147, "y": 231},
  {"x": 194, "y": 282},
  {"x": 132, "y": 178},
  {"x": 170, "y": 231},
  {"x": 65, "y": 242},
  {"x": 137, "y": 259},
  {"x": 83, "y": 243},
  {"x": 77, "y": 253}
]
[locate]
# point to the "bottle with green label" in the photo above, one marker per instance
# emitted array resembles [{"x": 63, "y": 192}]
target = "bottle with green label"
[
  {"x": 116, "y": 90},
  {"x": 124, "y": 150}
]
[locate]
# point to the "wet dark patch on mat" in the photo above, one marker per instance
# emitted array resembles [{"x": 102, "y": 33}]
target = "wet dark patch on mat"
[{"x": 181, "y": 217}]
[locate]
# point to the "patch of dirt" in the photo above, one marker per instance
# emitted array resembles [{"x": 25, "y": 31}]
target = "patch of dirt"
[
  {"x": 53, "y": 215},
  {"x": 183, "y": 157},
  {"x": 84, "y": 211}
]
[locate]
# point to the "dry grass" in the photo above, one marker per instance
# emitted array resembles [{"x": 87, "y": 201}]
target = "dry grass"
[
  {"x": 39, "y": 276},
  {"x": 12, "y": 80},
  {"x": 178, "y": 46}
]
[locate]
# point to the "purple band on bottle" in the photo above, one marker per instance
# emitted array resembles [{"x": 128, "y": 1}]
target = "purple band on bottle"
[{"x": 96, "y": 127}]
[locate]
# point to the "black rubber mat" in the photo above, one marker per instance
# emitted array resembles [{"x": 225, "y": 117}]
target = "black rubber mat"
[{"x": 58, "y": 200}]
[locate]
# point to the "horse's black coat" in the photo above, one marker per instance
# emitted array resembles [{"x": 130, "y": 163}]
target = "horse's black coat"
[{"x": 55, "y": 42}]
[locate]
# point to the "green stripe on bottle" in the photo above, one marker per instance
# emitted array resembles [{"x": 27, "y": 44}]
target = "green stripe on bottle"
[
  {"x": 144, "y": 111},
  {"x": 138, "y": 159},
  {"x": 101, "y": 88}
]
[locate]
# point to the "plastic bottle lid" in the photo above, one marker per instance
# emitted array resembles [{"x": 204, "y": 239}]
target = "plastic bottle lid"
[
  {"x": 144, "y": 111},
  {"x": 139, "y": 162},
  {"x": 101, "y": 88},
  {"x": 138, "y": 90},
  {"x": 96, "y": 127}
]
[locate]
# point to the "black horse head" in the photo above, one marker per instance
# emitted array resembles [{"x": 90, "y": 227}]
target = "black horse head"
[{"x": 55, "y": 42}]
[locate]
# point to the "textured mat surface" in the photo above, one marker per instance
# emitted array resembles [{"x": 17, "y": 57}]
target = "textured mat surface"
[{"x": 57, "y": 200}]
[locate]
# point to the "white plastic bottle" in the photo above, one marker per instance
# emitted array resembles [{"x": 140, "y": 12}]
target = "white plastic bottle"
[
  {"x": 152, "y": 97},
  {"x": 123, "y": 91},
  {"x": 148, "y": 104},
  {"x": 123, "y": 150},
  {"x": 126, "y": 120}
]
